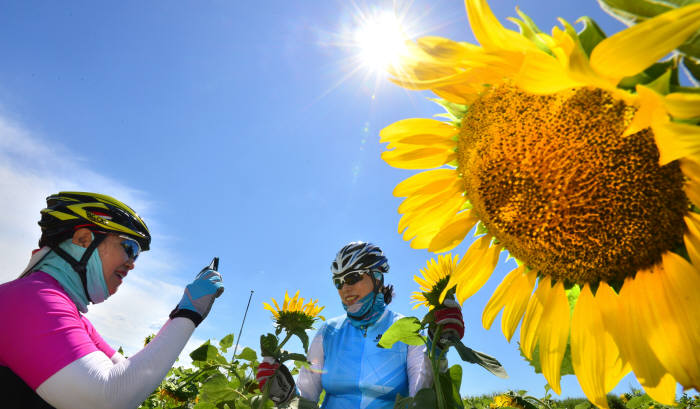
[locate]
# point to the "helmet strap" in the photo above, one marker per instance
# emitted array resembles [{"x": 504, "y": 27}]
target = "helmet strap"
[{"x": 80, "y": 267}]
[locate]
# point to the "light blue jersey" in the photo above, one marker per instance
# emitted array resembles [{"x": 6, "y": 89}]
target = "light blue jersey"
[{"x": 356, "y": 372}]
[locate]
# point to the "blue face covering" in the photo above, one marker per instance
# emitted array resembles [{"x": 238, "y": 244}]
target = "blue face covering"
[
  {"x": 370, "y": 308},
  {"x": 61, "y": 270}
]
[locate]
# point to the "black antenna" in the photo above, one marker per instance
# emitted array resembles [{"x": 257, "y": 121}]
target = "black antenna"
[{"x": 241, "y": 330}]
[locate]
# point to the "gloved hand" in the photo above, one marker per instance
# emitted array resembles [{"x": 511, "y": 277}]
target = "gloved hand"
[
  {"x": 266, "y": 369},
  {"x": 199, "y": 296},
  {"x": 282, "y": 386},
  {"x": 450, "y": 317}
]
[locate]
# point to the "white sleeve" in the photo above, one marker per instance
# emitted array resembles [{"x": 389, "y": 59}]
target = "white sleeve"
[
  {"x": 117, "y": 358},
  {"x": 96, "y": 382},
  {"x": 309, "y": 380},
  {"x": 420, "y": 374}
]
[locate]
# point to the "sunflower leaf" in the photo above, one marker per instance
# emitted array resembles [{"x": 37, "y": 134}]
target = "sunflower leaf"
[
  {"x": 692, "y": 65},
  {"x": 529, "y": 30},
  {"x": 480, "y": 229},
  {"x": 567, "y": 367},
  {"x": 268, "y": 344},
  {"x": 646, "y": 76},
  {"x": 226, "y": 343},
  {"x": 304, "y": 338},
  {"x": 247, "y": 355},
  {"x": 590, "y": 35},
  {"x": 286, "y": 356},
  {"x": 454, "y": 110},
  {"x": 404, "y": 330}
]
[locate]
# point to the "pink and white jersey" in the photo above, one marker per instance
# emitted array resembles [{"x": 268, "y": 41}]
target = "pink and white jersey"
[{"x": 41, "y": 330}]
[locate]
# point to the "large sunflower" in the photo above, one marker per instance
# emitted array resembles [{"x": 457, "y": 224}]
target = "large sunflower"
[{"x": 584, "y": 171}]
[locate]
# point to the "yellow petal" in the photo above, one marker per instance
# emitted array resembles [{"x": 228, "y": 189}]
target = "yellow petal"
[
  {"x": 515, "y": 306},
  {"x": 634, "y": 49},
  {"x": 269, "y": 308},
  {"x": 676, "y": 141},
  {"x": 416, "y": 200},
  {"x": 629, "y": 328},
  {"x": 512, "y": 295},
  {"x": 674, "y": 317},
  {"x": 594, "y": 355},
  {"x": 542, "y": 74},
  {"x": 444, "y": 49},
  {"x": 692, "y": 237},
  {"x": 650, "y": 107},
  {"x": 692, "y": 190},
  {"x": 553, "y": 335},
  {"x": 430, "y": 181},
  {"x": 474, "y": 270},
  {"x": 489, "y": 31},
  {"x": 682, "y": 106},
  {"x": 416, "y": 126},
  {"x": 533, "y": 315},
  {"x": 424, "y": 225},
  {"x": 453, "y": 231}
]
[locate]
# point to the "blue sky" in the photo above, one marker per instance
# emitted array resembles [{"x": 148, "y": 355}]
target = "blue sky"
[{"x": 244, "y": 130}]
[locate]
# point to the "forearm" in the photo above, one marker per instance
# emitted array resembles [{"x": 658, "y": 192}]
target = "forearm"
[{"x": 95, "y": 381}]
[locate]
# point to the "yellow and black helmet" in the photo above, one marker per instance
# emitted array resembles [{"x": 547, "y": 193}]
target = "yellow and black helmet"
[{"x": 67, "y": 211}]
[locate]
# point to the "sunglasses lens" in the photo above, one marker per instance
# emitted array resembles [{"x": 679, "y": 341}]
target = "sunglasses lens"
[
  {"x": 349, "y": 279},
  {"x": 131, "y": 247},
  {"x": 353, "y": 278}
]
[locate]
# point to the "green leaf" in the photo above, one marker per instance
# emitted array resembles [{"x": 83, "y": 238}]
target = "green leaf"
[
  {"x": 583, "y": 405},
  {"x": 480, "y": 229},
  {"x": 424, "y": 399},
  {"x": 404, "y": 330},
  {"x": 567, "y": 367},
  {"x": 572, "y": 296},
  {"x": 226, "y": 343},
  {"x": 454, "y": 111},
  {"x": 268, "y": 344},
  {"x": 487, "y": 362},
  {"x": 217, "y": 389},
  {"x": 206, "y": 352},
  {"x": 529, "y": 30},
  {"x": 590, "y": 35},
  {"x": 450, "y": 382},
  {"x": 650, "y": 74},
  {"x": 298, "y": 402},
  {"x": 293, "y": 357},
  {"x": 247, "y": 355},
  {"x": 304, "y": 339},
  {"x": 693, "y": 67}
]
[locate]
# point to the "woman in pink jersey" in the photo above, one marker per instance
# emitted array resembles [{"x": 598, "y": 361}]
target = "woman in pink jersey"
[{"x": 50, "y": 354}]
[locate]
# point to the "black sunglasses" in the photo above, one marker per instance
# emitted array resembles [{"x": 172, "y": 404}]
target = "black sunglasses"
[{"x": 350, "y": 278}]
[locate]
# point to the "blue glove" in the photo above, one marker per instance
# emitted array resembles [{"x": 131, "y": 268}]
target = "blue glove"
[{"x": 199, "y": 296}]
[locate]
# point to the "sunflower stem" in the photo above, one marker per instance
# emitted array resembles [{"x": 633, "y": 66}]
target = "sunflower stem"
[
  {"x": 284, "y": 341},
  {"x": 435, "y": 361}
]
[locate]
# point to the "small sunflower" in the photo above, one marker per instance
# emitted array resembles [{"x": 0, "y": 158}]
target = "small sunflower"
[
  {"x": 506, "y": 401},
  {"x": 295, "y": 315},
  {"x": 434, "y": 281},
  {"x": 580, "y": 156}
]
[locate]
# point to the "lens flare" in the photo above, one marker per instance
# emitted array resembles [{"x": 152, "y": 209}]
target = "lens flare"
[{"x": 381, "y": 41}]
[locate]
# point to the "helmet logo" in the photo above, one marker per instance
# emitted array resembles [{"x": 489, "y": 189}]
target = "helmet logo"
[{"x": 95, "y": 218}]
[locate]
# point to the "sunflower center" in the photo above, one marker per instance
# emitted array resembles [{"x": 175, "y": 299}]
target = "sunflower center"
[{"x": 552, "y": 178}]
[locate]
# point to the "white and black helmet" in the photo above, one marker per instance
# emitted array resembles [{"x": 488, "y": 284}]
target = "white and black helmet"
[{"x": 357, "y": 256}]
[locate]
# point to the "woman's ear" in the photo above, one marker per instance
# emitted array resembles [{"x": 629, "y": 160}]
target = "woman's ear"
[{"x": 82, "y": 237}]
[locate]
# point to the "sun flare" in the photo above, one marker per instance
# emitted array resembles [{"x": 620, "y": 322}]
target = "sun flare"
[{"x": 380, "y": 39}]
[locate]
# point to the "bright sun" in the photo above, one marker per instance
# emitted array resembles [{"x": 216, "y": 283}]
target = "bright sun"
[{"x": 381, "y": 41}]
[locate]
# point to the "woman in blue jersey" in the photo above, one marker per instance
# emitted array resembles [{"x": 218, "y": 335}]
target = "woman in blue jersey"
[{"x": 345, "y": 359}]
